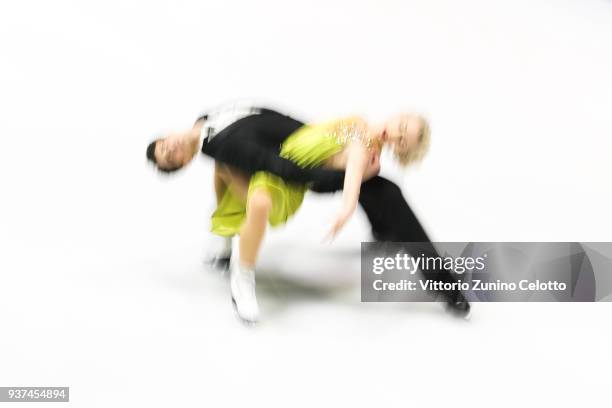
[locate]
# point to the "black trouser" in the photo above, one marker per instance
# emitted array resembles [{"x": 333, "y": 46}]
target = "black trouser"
[
  {"x": 393, "y": 220},
  {"x": 253, "y": 144}
]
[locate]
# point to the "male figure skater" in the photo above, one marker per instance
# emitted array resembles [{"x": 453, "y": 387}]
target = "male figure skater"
[{"x": 249, "y": 138}]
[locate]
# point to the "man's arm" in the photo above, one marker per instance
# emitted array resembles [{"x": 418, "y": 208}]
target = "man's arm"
[
  {"x": 248, "y": 147},
  {"x": 252, "y": 158},
  {"x": 326, "y": 184}
]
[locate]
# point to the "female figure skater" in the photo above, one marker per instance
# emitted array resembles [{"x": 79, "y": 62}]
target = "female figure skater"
[{"x": 246, "y": 205}]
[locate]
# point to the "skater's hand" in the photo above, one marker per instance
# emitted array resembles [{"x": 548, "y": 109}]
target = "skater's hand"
[{"x": 337, "y": 225}]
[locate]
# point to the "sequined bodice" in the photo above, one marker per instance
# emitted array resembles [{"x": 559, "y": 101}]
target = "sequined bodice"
[{"x": 348, "y": 130}]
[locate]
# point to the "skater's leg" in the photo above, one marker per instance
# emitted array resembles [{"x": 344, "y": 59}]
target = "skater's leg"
[
  {"x": 220, "y": 251},
  {"x": 220, "y": 185},
  {"x": 389, "y": 214},
  {"x": 236, "y": 180},
  {"x": 242, "y": 271},
  {"x": 252, "y": 232},
  {"x": 219, "y": 248},
  {"x": 392, "y": 219}
]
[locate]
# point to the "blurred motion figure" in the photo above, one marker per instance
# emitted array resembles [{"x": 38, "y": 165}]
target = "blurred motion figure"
[{"x": 265, "y": 162}]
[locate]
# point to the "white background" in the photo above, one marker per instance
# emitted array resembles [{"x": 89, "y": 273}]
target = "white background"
[{"x": 102, "y": 286}]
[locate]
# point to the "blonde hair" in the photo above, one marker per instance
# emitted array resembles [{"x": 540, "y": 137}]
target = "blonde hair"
[{"x": 417, "y": 153}]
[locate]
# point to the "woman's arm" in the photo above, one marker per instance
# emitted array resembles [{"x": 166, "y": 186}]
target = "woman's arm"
[
  {"x": 357, "y": 161},
  {"x": 358, "y": 157},
  {"x": 356, "y": 164}
]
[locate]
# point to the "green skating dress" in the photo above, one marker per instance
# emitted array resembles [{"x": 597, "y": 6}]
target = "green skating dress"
[{"x": 309, "y": 146}]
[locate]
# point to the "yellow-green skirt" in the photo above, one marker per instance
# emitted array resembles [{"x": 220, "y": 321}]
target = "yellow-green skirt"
[{"x": 309, "y": 146}]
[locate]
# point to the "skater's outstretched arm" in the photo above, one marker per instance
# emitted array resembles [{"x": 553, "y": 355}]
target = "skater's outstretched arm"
[{"x": 357, "y": 163}]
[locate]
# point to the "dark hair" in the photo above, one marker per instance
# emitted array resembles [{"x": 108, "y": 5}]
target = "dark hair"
[
  {"x": 151, "y": 157},
  {"x": 151, "y": 152},
  {"x": 202, "y": 117}
]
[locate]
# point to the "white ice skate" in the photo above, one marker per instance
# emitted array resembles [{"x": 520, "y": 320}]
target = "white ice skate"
[
  {"x": 219, "y": 252},
  {"x": 242, "y": 285}
]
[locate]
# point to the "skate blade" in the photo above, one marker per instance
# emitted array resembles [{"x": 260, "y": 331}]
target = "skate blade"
[{"x": 246, "y": 322}]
